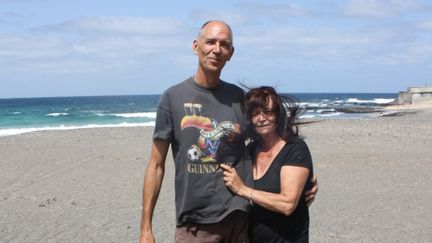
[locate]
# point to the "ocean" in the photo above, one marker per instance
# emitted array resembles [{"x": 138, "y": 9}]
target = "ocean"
[{"x": 24, "y": 115}]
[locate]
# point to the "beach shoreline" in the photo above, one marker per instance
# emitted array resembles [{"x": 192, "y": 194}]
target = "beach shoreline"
[
  {"x": 85, "y": 185},
  {"x": 19, "y": 115}
]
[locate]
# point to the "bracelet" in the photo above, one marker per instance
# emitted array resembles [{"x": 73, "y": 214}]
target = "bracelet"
[{"x": 250, "y": 198}]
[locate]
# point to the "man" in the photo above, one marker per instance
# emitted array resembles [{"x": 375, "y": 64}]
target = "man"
[{"x": 193, "y": 116}]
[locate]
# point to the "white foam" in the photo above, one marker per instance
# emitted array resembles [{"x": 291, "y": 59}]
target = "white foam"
[
  {"x": 15, "y": 131},
  {"x": 376, "y": 101},
  {"x": 307, "y": 116},
  {"x": 383, "y": 101},
  {"x": 57, "y": 114},
  {"x": 324, "y": 110},
  {"x": 332, "y": 114},
  {"x": 136, "y": 115},
  {"x": 355, "y": 100},
  {"x": 313, "y": 104}
]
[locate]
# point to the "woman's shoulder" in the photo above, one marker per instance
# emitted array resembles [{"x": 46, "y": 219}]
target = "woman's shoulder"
[
  {"x": 296, "y": 143},
  {"x": 296, "y": 151}
]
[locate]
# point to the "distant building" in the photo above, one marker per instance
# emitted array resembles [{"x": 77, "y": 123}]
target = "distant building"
[{"x": 415, "y": 95}]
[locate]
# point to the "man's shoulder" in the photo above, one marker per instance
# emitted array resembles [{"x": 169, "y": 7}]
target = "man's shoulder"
[
  {"x": 174, "y": 93},
  {"x": 178, "y": 86},
  {"x": 231, "y": 87}
]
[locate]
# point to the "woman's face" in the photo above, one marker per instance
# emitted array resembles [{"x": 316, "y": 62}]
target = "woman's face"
[{"x": 264, "y": 120}]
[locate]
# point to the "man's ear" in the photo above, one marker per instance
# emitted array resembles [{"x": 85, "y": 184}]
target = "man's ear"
[
  {"x": 231, "y": 54},
  {"x": 195, "y": 46}
]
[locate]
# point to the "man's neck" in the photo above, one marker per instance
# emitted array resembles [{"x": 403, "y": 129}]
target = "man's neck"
[{"x": 207, "y": 80}]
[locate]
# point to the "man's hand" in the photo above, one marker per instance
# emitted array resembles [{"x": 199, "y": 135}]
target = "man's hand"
[{"x": 311, "y": 194}]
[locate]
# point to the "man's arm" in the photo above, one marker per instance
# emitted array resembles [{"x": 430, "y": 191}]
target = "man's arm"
[{"x": 152, "y": 185}]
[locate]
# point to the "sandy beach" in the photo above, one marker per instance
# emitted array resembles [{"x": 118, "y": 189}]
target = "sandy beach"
[{"x": 85, "y": 185}]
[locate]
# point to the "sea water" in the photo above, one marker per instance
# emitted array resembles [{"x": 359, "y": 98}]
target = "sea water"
[{"x": 59, "y": 113}]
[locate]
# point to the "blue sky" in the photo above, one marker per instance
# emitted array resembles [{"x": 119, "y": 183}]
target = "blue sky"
[{"x": 106, "y": 47}]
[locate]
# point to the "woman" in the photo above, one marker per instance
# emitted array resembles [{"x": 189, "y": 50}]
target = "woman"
[{"x": 282, "y": 170}]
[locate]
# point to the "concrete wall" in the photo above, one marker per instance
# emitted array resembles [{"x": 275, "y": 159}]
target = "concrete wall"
[
  {"x": 420, "y": 90},
  {"x": 403, "y": 98},
  {"x": 415, "y": 95}
]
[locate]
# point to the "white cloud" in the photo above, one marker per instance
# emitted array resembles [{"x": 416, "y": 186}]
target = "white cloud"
[
  {"x": 119, "y": 25},
  {"x": 319, "y": 43},
  {"x": 94, "y": 44},
  {"x": 380, "y": 8},
  {"x": 15, "y": 47},
  {"x": 251, "y": 14},
  {"x": 13, "y": 18},
  {"x": 230, "y": 17},
  {"x": 425, "y": 25},
  {"x": 275, "y": 11}
]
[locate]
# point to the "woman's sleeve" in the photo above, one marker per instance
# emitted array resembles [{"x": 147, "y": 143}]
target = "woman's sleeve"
[{"x": 299, "y": 155}]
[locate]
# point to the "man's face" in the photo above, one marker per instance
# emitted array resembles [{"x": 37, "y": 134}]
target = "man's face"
[{"x": 214, "y": 46}]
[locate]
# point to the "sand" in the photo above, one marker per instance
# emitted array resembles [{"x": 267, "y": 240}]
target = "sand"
[{"x": 85, "y": 185}]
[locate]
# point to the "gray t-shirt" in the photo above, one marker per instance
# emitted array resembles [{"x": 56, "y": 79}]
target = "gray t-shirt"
[{"x": 195, "y": 120}]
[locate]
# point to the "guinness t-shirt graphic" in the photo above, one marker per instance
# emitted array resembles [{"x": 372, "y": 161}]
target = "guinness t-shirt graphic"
[{"x": 202, "y": 154}]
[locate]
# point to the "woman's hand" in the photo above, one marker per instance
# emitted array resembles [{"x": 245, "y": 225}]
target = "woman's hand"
[{"x": 232, "y": 180}]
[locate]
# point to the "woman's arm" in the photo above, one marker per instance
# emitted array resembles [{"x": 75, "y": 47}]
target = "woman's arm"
[{"x": 293, "y": 180}]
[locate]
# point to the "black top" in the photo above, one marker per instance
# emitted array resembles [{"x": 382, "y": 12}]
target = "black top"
[{"x": 268, "y": 226}]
